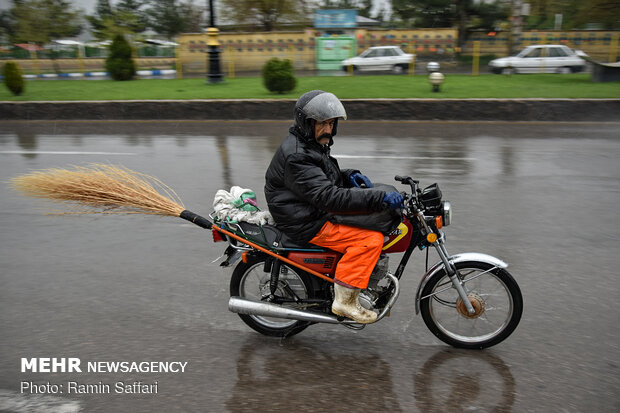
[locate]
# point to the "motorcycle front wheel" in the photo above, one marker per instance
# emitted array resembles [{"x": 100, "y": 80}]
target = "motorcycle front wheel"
[
  {"x": 494, "y": 294},
  {"x": 251, "y": 281}
]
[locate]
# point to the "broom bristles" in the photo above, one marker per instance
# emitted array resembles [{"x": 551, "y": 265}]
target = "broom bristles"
[{"x": 101, "y": 188}]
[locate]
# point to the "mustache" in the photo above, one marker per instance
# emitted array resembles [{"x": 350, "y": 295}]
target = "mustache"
[{"x": 324, "y": 135}]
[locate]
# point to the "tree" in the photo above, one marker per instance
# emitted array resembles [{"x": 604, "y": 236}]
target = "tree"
[
  {"x": 13, "y": 78},
  {"x": 478, "y": 16},
  {"x": 119, "y": 62},
  {"x": 165, "y": 18},
  {"x": 126, "y": 17},
  {"x": 40, "y": 21},
  {"x": 426, "y": 13},
  {"x": 363, "y": 7},
  {"x": 6, "y": 26},
  {"x": 339, "y": 4},
  {"x": 103, "y": 13},
  {"x": 605, "y": 12},
  {"x": 278, "y": 75},
  {"x": 192, "y": 17},
  {"x": 130, "y": 16},
  {"x": 466, "y": 15},
  {"x": 268, "y": 14},
  {"x": 406, "y": 10},
  {"x": 575, "y": 13}
]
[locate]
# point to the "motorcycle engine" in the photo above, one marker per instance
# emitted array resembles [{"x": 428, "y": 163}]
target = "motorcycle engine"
[{"x": 377, "y": 283}]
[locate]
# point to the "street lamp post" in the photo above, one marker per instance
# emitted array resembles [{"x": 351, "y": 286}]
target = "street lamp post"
[{"x": 214, "y": 74}]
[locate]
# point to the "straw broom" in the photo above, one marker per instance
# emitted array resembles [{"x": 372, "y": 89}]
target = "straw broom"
[
  {"x": 101, "y": 188},
  {"x": 109, "y": 189},
  {"x": 105, "y": 189}
]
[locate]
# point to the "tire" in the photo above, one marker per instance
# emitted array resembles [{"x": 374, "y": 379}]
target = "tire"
[
  {"x": 398, "y": 69},
  {"x": 508, "y": 71},
  {"x": 497, "y": 294},
  {"x": 564, "y": 70},
  {"x": 250, "y": 281}
]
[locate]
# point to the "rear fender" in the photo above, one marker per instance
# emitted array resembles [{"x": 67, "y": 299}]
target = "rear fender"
[{"x": 438, "y": 268}]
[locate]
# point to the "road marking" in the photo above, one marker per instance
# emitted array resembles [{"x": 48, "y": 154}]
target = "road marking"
[
  {"x": 63, "y": 153},
  {"x": 12, "y": 401},
  {"x": 417, "y": 158}
]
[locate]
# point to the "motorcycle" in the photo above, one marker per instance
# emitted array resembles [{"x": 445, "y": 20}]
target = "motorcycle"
[{"x": 279, "y": 288}]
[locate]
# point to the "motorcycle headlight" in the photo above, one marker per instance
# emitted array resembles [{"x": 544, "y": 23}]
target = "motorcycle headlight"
[{"x": 447, "y": 213}]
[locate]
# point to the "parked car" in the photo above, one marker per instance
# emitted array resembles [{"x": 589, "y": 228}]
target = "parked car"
[
  {"x": 546, "y": 58},
  {"x": 380, "y": 58}
]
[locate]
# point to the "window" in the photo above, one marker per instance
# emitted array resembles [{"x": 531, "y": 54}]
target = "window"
[
  {"x": 533, "y": 53},
  {"x": 557, "y": 52}
]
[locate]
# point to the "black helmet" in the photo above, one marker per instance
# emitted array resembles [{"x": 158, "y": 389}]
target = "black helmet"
[{"x": 320, "y": 106}]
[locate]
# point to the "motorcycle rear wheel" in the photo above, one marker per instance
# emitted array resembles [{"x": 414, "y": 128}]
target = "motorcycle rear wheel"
[
  {"x": 493, "y": 292},
  {"x": 249, "y": 280}
]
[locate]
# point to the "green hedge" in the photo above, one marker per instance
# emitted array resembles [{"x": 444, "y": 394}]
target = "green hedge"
[
  {"x": 278, "y": 75},
  {"x": 119, "y": 63},
  {"x": 13, "y": 78}
]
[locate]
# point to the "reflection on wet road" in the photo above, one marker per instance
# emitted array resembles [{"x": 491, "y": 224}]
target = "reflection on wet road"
[{"x": 541, "y": 196}]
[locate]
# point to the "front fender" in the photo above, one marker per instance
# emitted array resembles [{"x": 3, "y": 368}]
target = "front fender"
[{"x": 455, "y": 259}]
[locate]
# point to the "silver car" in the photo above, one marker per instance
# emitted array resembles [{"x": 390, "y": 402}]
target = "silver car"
[
  {"x": 380, "y": 58},
  {"x": 545, "y": 58}
]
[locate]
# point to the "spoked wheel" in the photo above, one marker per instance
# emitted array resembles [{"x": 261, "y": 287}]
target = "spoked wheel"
[
  {"x": 250, "y": 281},
  {"x": 493, "y": 293}
]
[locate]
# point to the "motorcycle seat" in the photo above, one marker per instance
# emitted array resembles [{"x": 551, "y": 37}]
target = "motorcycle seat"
[{"x": 270, "y": 236}]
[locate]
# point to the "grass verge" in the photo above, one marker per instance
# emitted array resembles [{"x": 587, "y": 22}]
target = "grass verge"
[{"x": 365, "y": 87}]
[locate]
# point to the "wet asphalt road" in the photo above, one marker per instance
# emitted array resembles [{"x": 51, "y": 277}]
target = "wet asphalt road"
[{"x": 541, "y": 196}]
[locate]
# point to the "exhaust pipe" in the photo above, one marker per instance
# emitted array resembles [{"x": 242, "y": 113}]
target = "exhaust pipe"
[
  {"x": 265, "y": 309},
  {"x": 261, "y": 308}
]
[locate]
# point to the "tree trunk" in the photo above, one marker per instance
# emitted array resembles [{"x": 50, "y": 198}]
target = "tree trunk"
[{"x": 516, "y": 23}]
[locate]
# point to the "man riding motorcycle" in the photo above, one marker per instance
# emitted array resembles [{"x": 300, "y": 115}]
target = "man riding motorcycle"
[{"x": 304, "y": 186}]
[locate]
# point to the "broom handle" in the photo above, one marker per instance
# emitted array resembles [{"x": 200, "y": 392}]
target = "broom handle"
[
  {"x": 205, "y": 223},
  {"x": 196, "y": 219}
]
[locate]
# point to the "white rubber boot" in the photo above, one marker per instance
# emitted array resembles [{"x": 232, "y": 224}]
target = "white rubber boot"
[{"x": 346, "y": 305}]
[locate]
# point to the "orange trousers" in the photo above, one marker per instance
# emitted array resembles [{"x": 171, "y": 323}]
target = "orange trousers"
[{"x": 361, "y": 249}]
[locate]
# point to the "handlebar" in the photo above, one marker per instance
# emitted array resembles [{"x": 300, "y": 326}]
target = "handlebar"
[{"x": 408, "y": 180}]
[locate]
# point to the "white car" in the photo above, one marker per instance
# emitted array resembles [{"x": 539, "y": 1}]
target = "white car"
[
  {"x": 380, "y": 58},
  {"x": 545, "y": 58}
]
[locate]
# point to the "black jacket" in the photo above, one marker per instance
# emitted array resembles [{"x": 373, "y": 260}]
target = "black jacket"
[{"x": 304, "y": 184}]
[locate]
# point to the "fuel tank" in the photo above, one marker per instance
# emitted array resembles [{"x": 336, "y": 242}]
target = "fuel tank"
[{"x": 398, "y": 240}]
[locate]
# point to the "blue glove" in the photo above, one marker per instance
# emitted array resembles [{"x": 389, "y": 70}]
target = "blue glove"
[
  {"x": 357, "y": 180},
  {"x": 394, "y": 200}
]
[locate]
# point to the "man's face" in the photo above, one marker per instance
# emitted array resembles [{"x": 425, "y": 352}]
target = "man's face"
[{"x": 323, "y": 131}]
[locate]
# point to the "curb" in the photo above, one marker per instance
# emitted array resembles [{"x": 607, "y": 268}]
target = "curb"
[
  {"x": 164, "y": 72},
  {"x": 574, "y": 110}
]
